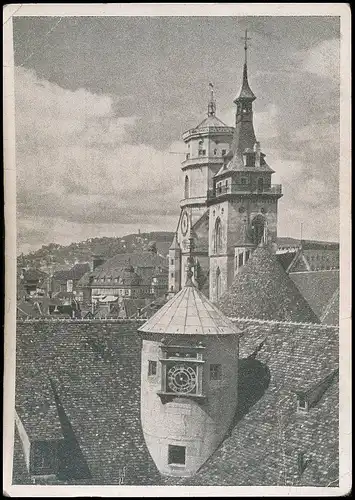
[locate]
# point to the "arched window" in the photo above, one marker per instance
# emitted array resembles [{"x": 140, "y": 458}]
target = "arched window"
[
  {"x": 187, "y": 187},
  {"x": 218, "y": 283},
  {"x": 258, "y": 225},
  {"x": 217, "y": 236}
]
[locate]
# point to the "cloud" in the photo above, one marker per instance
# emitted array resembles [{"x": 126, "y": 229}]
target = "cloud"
[
  {"x": 76, "y": 167},
  {"x": 323, "y": 59}
]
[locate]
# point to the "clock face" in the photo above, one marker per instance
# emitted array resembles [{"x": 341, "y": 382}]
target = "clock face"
[
  {"x": 184, "y": 223},
  {"x": 182, "y": 378}
]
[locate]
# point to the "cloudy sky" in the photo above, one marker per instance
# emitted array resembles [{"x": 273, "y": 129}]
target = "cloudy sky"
[{"x": 101, "y": 103}]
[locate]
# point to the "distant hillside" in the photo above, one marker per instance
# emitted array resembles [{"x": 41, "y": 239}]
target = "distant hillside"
[
  {"x": 64, "y": 257},
  {"x": 56, "y": 257}
]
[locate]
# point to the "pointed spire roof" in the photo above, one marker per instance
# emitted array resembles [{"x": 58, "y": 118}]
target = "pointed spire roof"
[
  {"x": 174, "y": 244},
  {"x": 245, "y": 92},
  {"x": 189, "y": 312},
  {"x": 263, "y": 290}
]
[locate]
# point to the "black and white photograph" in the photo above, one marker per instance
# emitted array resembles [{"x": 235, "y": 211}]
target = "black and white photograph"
[{"x": 177, "y": 256}]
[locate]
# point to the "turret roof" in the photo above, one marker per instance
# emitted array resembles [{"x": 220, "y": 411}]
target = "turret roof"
[
  {"x": 245, "y": 91},
  {"x": 212, "y": 121},
  {"x": 263, "y": 290},
  {"x": 174, "y": 244},
  {"x": 189, "y": 312}
]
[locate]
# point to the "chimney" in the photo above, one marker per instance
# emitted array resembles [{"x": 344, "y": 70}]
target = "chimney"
[
  {"x": 257, "y": 154},
  {"x": 96, "y": 261}
]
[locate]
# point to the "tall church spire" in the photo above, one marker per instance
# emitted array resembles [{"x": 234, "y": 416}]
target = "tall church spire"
[
  {"x": 211, "y": 103},
  {"x": 245, "y": 92},
  {"x": 244, "y": 135}
]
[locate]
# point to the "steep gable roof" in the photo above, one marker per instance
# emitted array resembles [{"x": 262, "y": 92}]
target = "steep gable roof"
[
  {"x": 263, "y": 290},
  {"x": 318, "y": 288}
]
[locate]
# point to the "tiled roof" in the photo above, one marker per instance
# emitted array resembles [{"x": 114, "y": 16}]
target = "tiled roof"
[
  {"x": 285, "y": 259},
  {"x": 211, "y": 121},
  {"x": 95, "y": 366},
  {"x": 35, "y": 403},
  {"x": 269, "y": 434},
  {"x": 317, "y": 287},
  {"x": 75, "y": 273},
  {"x": 113, "y": 267},
  {"x": 31, "y": 274},
  {"x": 263, "y": 290},
  {"x": 132, "y": 306},
  {"x": 330, "y": 315},
  {"x": 27, "y": 309},
  {"x": 189, "y": 312}
]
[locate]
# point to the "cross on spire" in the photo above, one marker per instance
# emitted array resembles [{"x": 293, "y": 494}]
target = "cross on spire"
[{"x": 245, "y": 39}]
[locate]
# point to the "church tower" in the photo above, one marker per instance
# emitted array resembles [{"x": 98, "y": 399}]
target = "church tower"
[
  {"x": 189, "y": 380},
  {"x": 243, "y": 203},
  {"x": 206, "y": 145}
]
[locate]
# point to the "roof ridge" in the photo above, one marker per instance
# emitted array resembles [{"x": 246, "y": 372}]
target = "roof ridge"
[{"x": 275, "y": 321}]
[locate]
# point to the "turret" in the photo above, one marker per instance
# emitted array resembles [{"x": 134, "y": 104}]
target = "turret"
[{"x": 189, "y": 373}]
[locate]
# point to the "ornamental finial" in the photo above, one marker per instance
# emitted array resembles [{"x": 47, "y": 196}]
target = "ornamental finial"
[
  {"x": 211, "y": 111},
  {"x": 190, "y": 263}
]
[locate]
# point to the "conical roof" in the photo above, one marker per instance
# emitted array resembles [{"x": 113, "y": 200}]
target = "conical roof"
[
  {"x": 263, "y": 290},
  {"x": 211, "y": 121},
  {"x": 189, "y": 312},
  {"x": 245, "y": 92},
  {"x": 174, "y": 244}
]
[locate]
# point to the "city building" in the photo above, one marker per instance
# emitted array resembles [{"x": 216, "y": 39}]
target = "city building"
[
  {"x": 230, "y": 205},
  {"x": 240, "y": 389}
]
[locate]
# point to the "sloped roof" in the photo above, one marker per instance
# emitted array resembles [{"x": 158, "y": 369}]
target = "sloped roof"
[
  {"x": 330, "y": 314},
  {"x": 189, "y": 312},
  {"x": 113, "y": 267},
  {"x": 32, "y": 274},
  {"x": 275, "y": 360},
  {"x": 132, "y": 305},
  {"x": 286, "y": 258},
  {"x": 75, "y": 273},
  {"x": 103, "y": 359},
  {"x": 263, "y": 290},
  {"x": 245, "y": 91},
  {"x": 317, "y": 287},
  {"x": 211, "y": 121},
  {"x": 28, "y": 309}
]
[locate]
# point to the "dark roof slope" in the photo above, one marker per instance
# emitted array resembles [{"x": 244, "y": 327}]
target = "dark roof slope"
[
  {"x": 75, "y": 273},
  {"x": 95, "y": 367},
  {"x": 317, "y": 287},
  {"x": 112, "y": 267},
  {"x": 263, "y": 290},
  {"x": 265, "y": 446},
  {"x": 285, "y": 259}
]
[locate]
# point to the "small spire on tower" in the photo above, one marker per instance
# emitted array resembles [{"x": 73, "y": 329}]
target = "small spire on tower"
[
  {"x": 212, "y": 102},
  {"x": 245, "y": 92},
  {"x": 190, "y": 263}
]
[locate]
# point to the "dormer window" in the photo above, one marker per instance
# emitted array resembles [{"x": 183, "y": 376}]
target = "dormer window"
[
  {"x": 302, "y": 402},
  {"x": 249, "y": 160},
  {"x": 224, "y": 152}
]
